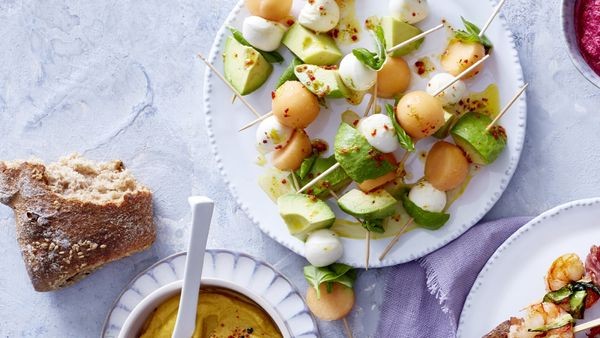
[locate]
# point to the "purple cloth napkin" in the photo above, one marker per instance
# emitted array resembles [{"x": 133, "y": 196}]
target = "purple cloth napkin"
[{"x": 424, "y": 298}]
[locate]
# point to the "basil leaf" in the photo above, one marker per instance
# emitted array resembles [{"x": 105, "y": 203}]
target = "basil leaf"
[
  {"x": 366, "y": 57},
  {"x": 271, "y": 57},
  {"x": 373, "y": 225},
  {"x": 306, "y": 166},
  {"x": 471, "y": 34},
  {"x": 405, "y": 141},
  {"x": 373, "y": 60},
  {"x": 289, "y": 74},
  {"x": 426, "y": 219},
  {"x": 335, "y": 273}
]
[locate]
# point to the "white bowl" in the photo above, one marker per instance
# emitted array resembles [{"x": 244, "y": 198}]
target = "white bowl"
[
  {"x": 132, "y": 326},
  {"x": 570, "y": 36}
]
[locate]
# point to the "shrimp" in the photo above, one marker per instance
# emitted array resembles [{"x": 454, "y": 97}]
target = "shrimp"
[
  {"x": 539, "y": 316},
  {"x": 564, "y": 270}
]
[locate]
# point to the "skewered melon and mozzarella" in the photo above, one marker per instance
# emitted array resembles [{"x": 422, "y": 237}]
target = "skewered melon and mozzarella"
[
  {"x": 274, "y": 10},
  {"x": 263, "y": 34},
  {"x": 420, "y": 114},
  {"x": 323, "y": 248},
  {"x": 379, "y": 131},
  {"x": 272, "y": 135},
  {"x": 410, "y": 11},
  {"x": 320, "y": 15},
  {"x": 452, "y": 94},
  {"x": 355, "y": 74}
]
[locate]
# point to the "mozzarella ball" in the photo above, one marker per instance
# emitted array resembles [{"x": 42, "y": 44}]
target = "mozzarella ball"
[
  {"x": 263, "y": 34},
  {"x": 452, "y": 94},
  {"x": 420, "y": 114},
  {"x": 379, "y": 131},
  {"x": 323, "y": 248},
  {"x": 393, "y": 78},
  {"x": 291, "y": 156},
  {"x": 355, "y": 74},
  {"x": 410, "y": 11},
  {"x": 272, "y": 135},
  {"x": 446, "y": 166},
  {"x": 294, "y": 105},
  {"x": 320, "y": 15},
  {"x": 459, "y": 56},
  {"x": 427, "y": 197},
  {"x": 274, "y": 10}
]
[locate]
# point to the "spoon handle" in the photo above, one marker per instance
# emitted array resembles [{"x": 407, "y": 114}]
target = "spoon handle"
[{"x": 202, "y": 209}]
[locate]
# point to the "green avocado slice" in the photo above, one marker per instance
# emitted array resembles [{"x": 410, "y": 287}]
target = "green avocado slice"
[
  {"x": 425, "y": 219},
  {"x": 244, "y": 67},
  {"x": 375, "y": 205},
  {"x": 396, "y": 32},
  {"x": 336, "y": 180},
  {"x": 444, "y": 131},
  {"x": 311, "y": 48},
  {"x": 304, "y": 214},
  {"x": 321, "y": 81},
  {"x": 481, "y": 146},
  {"x": 358, "y": 158}
]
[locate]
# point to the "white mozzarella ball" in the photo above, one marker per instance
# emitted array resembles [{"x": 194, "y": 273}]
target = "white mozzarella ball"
[
  {"x": 323, "y": 248},
  {"x": 426, "y": 197},
  {"x": 320, "y": 15},
  {"x": 272, "y": 135},
  {"x": 379, "y": 131},
  {"x": 451, "y": 95},
  {"x": 263, "y": 34},
  {"x": 410, "y": 11},
  {"x": 355, "y": 74}
]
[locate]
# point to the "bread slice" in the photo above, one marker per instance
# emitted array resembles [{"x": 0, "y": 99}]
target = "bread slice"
[{"x": 75, "y": 215}]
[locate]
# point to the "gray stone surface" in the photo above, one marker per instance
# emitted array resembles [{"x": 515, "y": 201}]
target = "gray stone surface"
[{"x": 119, "y": 79}]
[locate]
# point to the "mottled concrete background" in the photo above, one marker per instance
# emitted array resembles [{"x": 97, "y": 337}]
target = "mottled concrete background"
[{"x": 119, "y": 79}]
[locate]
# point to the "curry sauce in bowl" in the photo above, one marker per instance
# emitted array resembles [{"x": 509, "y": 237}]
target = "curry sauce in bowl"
[{"x": 221, "y": 313}]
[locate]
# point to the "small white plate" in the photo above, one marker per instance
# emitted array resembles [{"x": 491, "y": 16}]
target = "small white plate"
[
  {"x": 513, "y": 278},
  {"x": 236, "y": 156},
  {"x": 240, "y": 269}
]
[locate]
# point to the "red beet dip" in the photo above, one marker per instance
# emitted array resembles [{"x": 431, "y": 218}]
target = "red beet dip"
[{"x": 587, "y": 22}]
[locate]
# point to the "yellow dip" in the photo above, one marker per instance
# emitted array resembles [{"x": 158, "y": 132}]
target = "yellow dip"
[{"x": 221, "y": 314}]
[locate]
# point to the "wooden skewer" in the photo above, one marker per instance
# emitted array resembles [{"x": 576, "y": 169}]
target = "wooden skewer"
[
  {"x": 461, "y": 75},
  {"x": 395, "y": 239},
  {"x": 586, "y": 326},
  {"x": 229, "y": 85},
  {"x": 415, "y": 38},
  {"x": 367, "y": 249},
  {"x": 318, "y": 178},
  {"x": 372, "y": 100},
  {"x": 347, "y": 328},
  {"x": 259, "y": 119},
  {"x": 505, "y": 109},
  {"x": 491, "y": 18}
]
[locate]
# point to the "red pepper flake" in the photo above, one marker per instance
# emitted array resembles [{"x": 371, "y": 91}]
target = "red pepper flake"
[
  {"x": 279, "y": 146},
  {"x": 374, "y": 132},
  {"x": 420, "y": 67},
  {"x": 354, "y": 38},
  {"x": 273, "y": 95},
  {"x": 334, "y": 33},
  {"x": 498, "y": 132},
  {"x": 290, "y": 22},
  {"x": 265, "y": 141},
  {"x": 385, "y": 126},
  {"x": 319, "y": 146},
  {"x": 283, "y": 181},
  {"x": 355, "y": 123}
]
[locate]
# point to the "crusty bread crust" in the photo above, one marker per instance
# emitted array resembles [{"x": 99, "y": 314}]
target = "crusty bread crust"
[{"x": 63, "y": 240}]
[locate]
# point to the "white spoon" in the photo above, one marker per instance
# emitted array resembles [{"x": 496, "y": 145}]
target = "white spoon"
[{"x": 202, "y": 209}]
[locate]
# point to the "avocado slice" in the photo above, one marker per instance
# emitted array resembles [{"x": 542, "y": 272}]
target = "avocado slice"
[
  {"x": 314, "y": 49},
  {"x": 304, "y": 214},
  {"x": 322, "y": 81},
  {"x": 396, "y": 31},
  {"x": 245, "y": 68},
  {"x": 481, "y": 146},
  {"x": 336, "y": 180},
  {"x": 444, "y": 131},
  {"x": 425, "y": 219},
  {"x": 357, "y": 157},
  {"x": 375, "y": 205}
]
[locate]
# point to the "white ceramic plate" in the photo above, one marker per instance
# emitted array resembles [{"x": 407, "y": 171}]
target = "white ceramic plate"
[
  {"x": 236, "y": 156},
  {"x": 239, "y": 269},
  {"x": 514, "y": 276}
]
